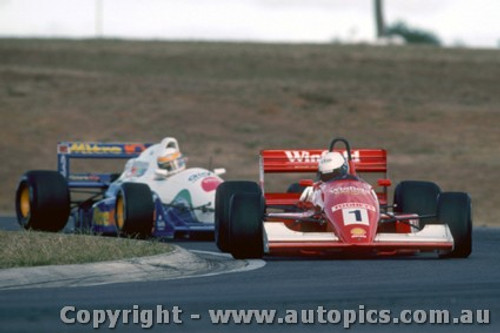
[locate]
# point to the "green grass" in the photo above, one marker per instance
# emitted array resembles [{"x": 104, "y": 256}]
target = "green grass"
[{"x": 30, "y": 248}]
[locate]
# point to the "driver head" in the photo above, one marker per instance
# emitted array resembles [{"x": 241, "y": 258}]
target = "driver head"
[
  {"x": 332, "y": 165},
  {"x": 169, "y": 159}
]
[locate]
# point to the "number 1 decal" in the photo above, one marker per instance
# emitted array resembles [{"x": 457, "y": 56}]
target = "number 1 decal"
[{"x": 355, "y": 216}]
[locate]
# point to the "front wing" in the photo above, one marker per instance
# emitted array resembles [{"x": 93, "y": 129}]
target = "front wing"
[{"x": 281, "y": 240}]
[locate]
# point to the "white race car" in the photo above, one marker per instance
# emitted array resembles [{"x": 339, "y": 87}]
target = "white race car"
[{"x": 155, "y": 195}]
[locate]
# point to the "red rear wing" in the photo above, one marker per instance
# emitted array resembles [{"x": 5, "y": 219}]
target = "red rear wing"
[{"x": 306, "y": 160}]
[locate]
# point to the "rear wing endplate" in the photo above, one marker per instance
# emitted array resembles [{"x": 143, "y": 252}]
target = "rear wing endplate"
[{"x": 68, "y": 150}]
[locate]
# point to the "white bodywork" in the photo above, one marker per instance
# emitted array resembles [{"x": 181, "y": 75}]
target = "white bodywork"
[
  {"x": 194, "y": 186},
  {"x": 279, "y": 232}
]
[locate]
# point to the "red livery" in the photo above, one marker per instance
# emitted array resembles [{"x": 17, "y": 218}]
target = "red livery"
[{"x": 339, "y": 212}]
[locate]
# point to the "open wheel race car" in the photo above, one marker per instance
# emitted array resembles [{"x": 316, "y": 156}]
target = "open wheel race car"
[
  {"x": 342, "y": 215},
  {"x": 155, "y": 195}
]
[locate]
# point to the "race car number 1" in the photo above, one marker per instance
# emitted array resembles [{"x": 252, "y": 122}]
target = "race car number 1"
[{"x": 355, "y": 216}]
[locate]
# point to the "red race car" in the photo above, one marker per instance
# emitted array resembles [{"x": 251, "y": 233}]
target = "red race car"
[{"x": 339, "y": 213}]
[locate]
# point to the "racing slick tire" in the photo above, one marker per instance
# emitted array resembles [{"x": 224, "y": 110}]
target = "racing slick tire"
[
  {"x": 417, "y": 197},
  {"x": 455, "y": 210},
  {"x": 134, "y": 210},
  {"x": 42, "y": 201},
  {"x": 245, "y": 225},
  {"x": 295, "y": 188},
  {"x": 223, "y": 196}
]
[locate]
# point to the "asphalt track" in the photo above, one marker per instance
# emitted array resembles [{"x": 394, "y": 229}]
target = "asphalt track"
[{"x": 395, "y": 284}]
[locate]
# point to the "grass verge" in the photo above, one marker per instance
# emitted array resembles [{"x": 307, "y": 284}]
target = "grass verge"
[{"x": 31, "y": 248}]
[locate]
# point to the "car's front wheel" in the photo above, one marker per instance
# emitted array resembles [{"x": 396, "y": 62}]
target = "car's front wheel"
[
  {"x": 246, "y": 225},
  {"x": 223, "y": 196},
  {"x": 455, "y": 210}
]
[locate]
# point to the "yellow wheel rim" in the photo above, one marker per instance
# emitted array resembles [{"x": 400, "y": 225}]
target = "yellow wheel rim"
[
  {"x": 120, "y": 215},
  {"x": 24, "y": 202}
]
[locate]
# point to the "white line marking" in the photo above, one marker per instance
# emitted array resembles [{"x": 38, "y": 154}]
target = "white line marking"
[{"x": 217, "y": 254}]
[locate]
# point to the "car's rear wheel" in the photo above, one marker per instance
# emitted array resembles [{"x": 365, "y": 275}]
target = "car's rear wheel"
[
  {"x": 295, "y": 188},
  {"x": 134, "y": 210},
  {"x": 246, "y": 224},
  {"x": 43, "y": 201},
  {"x": 455, "y": 210},
  {"x": 417, "y": 197},
  {"x": 222, "y": 199}
]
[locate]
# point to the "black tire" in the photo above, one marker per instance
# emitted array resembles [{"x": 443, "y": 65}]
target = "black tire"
[
  {"x": 295, "y": 188},
  {"x": 246, "y": 223},
  {"x": 43, "y": 201},
  {"x": 134, "y": 210},
  {"x": 455, "y": 210},
  {"x": 222, "y": 198},
  {"x": 417, "y": 197}
]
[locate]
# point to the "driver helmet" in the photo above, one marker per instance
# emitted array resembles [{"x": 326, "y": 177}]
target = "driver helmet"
[
  {"x": 170, "y": 160},
  {"x": 332, "y": 165}
]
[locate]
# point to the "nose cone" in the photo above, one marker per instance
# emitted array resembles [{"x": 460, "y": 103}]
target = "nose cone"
[
  {"x": 352, "y": 210},
  {"x": 354, "y": 223}
]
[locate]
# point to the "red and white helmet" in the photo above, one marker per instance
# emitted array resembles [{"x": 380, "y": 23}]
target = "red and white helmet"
[{"x": 332, "y": 165}]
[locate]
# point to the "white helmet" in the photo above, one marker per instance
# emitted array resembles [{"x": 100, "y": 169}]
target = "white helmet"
[
  {"x": 332, "y": 165},
  {"x": 169, "y": 159}
]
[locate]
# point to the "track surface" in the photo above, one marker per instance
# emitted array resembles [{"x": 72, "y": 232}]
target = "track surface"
[{"x": 394, "y": 284}]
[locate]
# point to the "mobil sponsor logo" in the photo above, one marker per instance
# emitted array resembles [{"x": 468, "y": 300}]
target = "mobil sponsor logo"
[
  {"x": 102, "y": 148},
  {"x": 95, "y": 148}
]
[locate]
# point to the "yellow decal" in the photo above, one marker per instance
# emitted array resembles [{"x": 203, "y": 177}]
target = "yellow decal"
[
  {"x": 358, "y": 232},
  {"x": 101, "y": 218},
  {"x": 87, "y": 148}
]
